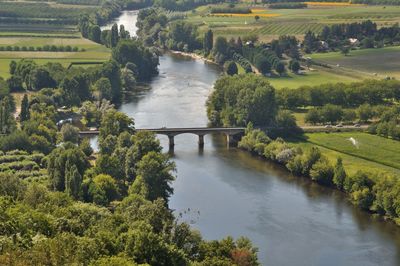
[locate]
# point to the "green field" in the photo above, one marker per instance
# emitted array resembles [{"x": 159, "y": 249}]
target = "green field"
[
  {"x": 365, "y": 61},
  {"x": 371, "y": 153},
  {"x": 311, "y": 78},
  {"x": 93, "y": 51}
]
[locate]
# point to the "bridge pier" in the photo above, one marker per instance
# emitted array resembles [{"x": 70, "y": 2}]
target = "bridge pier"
[
  {"x": 230, "y": 140},
  {"x": 201, "y": 140},
  {"x": 171, "y": 141}
]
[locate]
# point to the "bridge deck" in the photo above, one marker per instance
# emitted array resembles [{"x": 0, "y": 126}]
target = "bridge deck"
[{"x": 193, "y": 130}]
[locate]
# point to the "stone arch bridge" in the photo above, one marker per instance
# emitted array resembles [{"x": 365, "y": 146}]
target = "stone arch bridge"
[{"x": 229, "y": 132}]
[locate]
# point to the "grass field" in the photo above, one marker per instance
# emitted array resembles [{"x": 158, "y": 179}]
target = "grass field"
[
  {"x": 310, "y": 78},
  {"x": 365, "y": 60},
  {"x": 93, "y": 51},
  {"x": 371, "y": 153}
]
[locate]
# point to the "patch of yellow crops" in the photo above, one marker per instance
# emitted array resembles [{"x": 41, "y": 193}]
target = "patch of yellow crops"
[
  {"x": 331, "y": 4},
  {"x": 256, "y": 10},
  {"x": 244, "y": 15}
]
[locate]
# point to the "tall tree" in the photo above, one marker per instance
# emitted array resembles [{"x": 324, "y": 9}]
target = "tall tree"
[
  {"x": 155, "y": 168},
  {"x": 73, "y": 180},
  {"x": 208, "y": 41},
  {"x": 25, "y": 113},
  {"x": 114, "y": 35}
]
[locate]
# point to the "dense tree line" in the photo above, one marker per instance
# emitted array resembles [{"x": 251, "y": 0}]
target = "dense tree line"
[
  {"x": 387, "y": 122},
  {"x": 373, "y": 92},
  {"x": 240, "y": 99},
  {"x": 183, "y": 5},
  {"x": 264, "y": 59},
  {"x": 338, "y": 35},
  {"x": 376, "y": 193},
  {"x": 243, "y": 62},
  {"x": 44, "y": 48},
  {"x": 287, "y": 5}
]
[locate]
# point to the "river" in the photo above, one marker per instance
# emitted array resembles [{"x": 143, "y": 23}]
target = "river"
[{"x": 224, "y": 191}]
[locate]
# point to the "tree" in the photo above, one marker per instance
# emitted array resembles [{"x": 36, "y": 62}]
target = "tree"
[
  {"x": 103, "y": 189},
  {"x": 155, "y": 168},
  {"x": 73, "y": 181},
  {"x": 70, "y": 89},
  {"x": 133, "y": 51},
  {"x": 25, "y": 113},
  {"x": 103, "y": 87},
  {"x": 365, "y": 112},
  {"x": 95, "y": 33},
  {"x": 7, "y": 121},
  {"x": 114, "y": 35},
  {"x": 86, "y": 147},
  {"x": 111, "y": 70},
  {"x": 345, "y": 50},
  {"x": 69, "y": 133},
  {"x": 231, "y": 68},
  {"x": 280, "y": 68},
  {"x": 114, "y": 123},
  {"x": 331, "y": 113},
  {"x": 220, "y": 49},
  {"x": 322, "y": 172},
  {"x": 339, "y": 174},
  {"x": 40, "y": 78},
  {"x": 15, "y": 83},
  {"x": 240, "y": 99},
  {"x": 256, "y": 17},
  {"x": 143, "y": 143},
  {"x": 12, "y": 67},
  {"x": 61, "y": 160},
  {"x": 285, "y": 119},
  {"x": 208, "y": 42},
  {"x": 294, "y": 66}
]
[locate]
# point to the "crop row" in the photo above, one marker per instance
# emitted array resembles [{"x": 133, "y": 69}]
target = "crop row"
[
  {"x": 44, "y": 48},
  {"x": 289, "y": 28}
]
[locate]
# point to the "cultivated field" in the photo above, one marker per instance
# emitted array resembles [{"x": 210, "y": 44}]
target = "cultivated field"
[
  {"x": 275, "y": 22},
  {"x": 93, "y": 52},
  {"x": 367, "y": 152},
  {"x": 365, "y": 61}
]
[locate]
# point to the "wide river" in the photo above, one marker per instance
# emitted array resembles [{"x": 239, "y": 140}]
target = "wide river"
[{"x": 224, "y": 191}]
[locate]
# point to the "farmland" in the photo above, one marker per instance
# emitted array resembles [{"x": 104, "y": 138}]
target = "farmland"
[
  {"x": 92, "y": 51},
  {"x": 369, "y": 152},
  {"x": 365, "y": 61},
  {"x": 314, "y": 77},
  {"x": 290, "y": 21}
]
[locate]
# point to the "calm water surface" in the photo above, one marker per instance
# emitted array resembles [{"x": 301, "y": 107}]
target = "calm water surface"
[
  {"x": 127, "y": 18},
  {"x": 223, "y": 191}
]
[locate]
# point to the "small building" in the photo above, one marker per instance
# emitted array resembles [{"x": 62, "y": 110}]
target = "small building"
[
  {"x": 354, "y": 42},
  {"x": 324, "y": 45}
]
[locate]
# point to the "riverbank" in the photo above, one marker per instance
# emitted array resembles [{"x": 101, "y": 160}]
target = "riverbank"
[{"x": 194, "y": 56}]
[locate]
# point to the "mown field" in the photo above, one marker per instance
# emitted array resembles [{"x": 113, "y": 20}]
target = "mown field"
[
  {"x": 309, "y": 78},
  {"x": 382, "y": 62},
  {"x": 371, "y": 153},
  {"x": 93, "y": 52}
]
